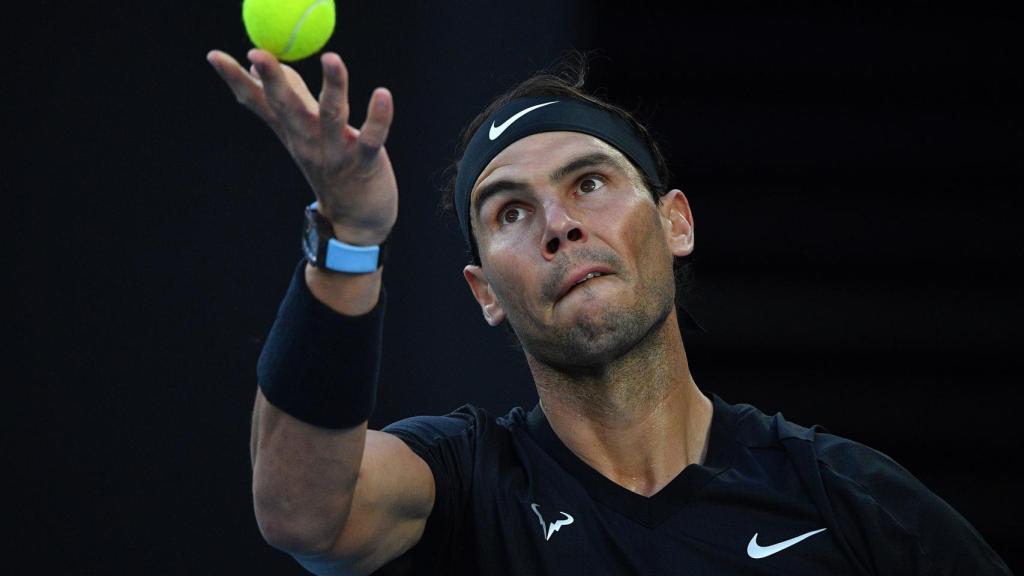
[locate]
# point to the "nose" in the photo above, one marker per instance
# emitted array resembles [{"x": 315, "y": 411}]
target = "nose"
[{"x": 561, "y": 227}]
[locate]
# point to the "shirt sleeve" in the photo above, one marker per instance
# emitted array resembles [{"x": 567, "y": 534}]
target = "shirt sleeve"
[
  {"x": 448, "y": 445},
  {"x": 898, "y": 525}
]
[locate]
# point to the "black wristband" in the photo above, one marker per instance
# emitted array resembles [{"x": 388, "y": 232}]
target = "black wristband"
[{"x": 318, "y": 365}]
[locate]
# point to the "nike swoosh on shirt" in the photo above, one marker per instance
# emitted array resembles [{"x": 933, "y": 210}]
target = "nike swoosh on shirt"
[
  {"x": 755, "y": 551},
  {"x": 496, "y": 131}
]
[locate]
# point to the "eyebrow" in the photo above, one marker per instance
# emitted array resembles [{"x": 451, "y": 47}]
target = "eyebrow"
[{"x": 556, "y": 176}]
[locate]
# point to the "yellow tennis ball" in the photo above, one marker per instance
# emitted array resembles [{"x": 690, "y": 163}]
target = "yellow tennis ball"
[{"x": 289, "y": 29}]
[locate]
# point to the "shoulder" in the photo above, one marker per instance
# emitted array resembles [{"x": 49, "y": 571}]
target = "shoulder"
[
  {"x": 845, "y": 458},
  {"x": 867, "y": 480},
  {"x": 862, "y": 465},
  {"x": 752, "y": 428},
  {"x": 887, "y": 511},
  {"x": 467, "y": 421},
  {"x": 842, "y": 464},
  {"x": 888, "y": 500}
]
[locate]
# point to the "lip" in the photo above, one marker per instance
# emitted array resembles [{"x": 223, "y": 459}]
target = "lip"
[{"x": 579, "y": 274}]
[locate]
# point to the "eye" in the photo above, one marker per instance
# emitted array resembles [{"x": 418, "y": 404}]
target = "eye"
[
  {"x": 589, "y": 184},
  {"x": 511, "y": 215}
]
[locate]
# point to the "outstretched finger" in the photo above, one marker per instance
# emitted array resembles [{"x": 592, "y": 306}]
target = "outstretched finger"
[
  {"x": 379, "y": 114},
  {"x": 282, "y": 97},
  {"x": 334, "y": 109},
  {"x": 247, "y": 89}
]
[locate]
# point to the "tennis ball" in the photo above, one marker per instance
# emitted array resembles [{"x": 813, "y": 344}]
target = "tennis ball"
[{"x": 289, "y": 29}]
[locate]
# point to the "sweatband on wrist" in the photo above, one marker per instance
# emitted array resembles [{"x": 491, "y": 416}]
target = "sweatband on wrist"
[
  {"x": 318, "y": 365},
  {"x": 524, "y": 117}
]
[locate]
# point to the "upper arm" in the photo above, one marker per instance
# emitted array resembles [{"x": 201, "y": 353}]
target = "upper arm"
[
  {"x": 393, "y": 497},
  {"x": 416, "y": 468}
]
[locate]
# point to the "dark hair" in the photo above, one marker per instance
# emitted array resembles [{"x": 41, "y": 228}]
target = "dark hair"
[{"x": 565, "y": 78}]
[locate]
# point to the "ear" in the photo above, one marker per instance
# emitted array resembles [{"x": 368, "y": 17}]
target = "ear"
[
  {"x": 678, "y": 222},
  {"x": 494, "y": 314}
]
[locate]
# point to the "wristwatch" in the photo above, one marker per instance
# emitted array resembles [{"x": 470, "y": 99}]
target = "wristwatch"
[{"x": 326, "y": 252}]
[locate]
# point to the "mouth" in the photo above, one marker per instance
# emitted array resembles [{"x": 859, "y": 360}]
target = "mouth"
[
  {"x": 580, "y": 278},
  {"x": 589, "y": 276}
]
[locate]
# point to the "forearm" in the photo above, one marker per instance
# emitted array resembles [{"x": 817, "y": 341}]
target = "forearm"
[
  {"x": 317, "y": 377},
  {"x": 349, "y": 294},
  {"x": 304, "y": 477},
  {"x": 318, "y": 371}
]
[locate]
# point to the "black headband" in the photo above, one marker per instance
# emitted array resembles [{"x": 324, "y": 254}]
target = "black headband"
[{"x": 526, "y": 116}]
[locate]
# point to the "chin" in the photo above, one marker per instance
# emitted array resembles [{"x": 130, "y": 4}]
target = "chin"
[{"x": 595, "y": 339}]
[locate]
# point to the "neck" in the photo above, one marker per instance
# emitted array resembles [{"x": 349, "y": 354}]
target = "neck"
[{"x": 638, "y": 420}]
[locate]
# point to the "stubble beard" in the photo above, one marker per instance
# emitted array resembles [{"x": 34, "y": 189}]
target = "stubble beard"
[{"x": 600, "y": 338}]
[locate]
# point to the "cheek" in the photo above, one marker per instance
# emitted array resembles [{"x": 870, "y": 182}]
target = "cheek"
[
  {"x": 508, "y": 285},
  {"x": 512, "y": 238},
  {"x": 642, "y": 230},
  {"x": 646, "y": 239}
]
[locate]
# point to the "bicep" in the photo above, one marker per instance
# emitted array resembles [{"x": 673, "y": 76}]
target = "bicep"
[{"x": 393, "y": 497}]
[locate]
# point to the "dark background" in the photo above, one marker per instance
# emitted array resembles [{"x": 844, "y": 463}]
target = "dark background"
[{"x": 854, "y": 174}]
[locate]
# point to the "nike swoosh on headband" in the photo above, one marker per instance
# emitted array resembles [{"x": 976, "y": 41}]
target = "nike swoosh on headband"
[
  {"x": 755, "y": 551},
  {"x": 496, "y": 131}
]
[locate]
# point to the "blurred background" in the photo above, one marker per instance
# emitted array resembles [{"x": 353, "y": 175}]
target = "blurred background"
[{"x": 854, "y": 174}]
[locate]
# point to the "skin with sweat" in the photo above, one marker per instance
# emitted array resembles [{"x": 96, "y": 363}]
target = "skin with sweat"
[{"x": 577, "y": 257}]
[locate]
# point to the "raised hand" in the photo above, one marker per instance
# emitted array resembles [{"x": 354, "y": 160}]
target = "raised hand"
[{"x": 348, "y": 168}]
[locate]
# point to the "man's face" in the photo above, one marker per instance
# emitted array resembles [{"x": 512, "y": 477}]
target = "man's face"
[{"x": 574, "y": 252}]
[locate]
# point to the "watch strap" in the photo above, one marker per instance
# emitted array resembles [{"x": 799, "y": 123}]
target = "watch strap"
[
  {"x": 342, "y": 257},
  {"x": 333, "y": 255}
]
